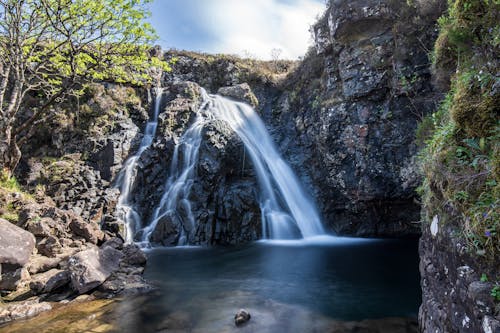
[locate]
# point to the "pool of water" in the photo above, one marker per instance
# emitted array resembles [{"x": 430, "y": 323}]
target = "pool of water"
[
  {"x": 322, "y": 279},
  {"x": 287, "y": 286}
]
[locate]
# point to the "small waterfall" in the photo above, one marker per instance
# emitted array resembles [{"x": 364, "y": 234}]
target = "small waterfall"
[
  {"x": 287, "y": 211},
  {"x": 178, "y": 185},
  {"x": 125, "y": 210}
]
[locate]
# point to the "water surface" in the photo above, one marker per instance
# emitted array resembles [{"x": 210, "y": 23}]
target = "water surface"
[{"x": 288, "y": 286}]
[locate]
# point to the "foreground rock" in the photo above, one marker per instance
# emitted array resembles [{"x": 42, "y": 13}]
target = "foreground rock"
[
  {"x": 21, "y": 310},
  {"x": 16, "y": 244}
]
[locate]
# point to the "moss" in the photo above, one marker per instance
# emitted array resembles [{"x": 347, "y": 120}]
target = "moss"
[
  {"x": 460, "y": 161},
  {"x": 474, "y": 110}
]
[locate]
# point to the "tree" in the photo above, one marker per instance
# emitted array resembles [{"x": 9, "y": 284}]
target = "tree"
[{"x": 51, "y": 49}]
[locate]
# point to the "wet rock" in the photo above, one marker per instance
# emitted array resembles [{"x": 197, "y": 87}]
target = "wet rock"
[
  {"x": 241, "y": 317},
  {"x": 49, "y": 281},
  {"x": 90, "y": 268},
  {"x": 16, "y": 244},
  {"x": 22, "y": 310}
]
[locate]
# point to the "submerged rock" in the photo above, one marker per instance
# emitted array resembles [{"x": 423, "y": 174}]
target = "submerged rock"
[{"x": 241, "y": 317}]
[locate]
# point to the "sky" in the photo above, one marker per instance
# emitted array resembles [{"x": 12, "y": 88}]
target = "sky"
[{"x": 244, "y": 27}]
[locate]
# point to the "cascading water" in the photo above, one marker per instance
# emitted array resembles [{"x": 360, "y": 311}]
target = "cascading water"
[
  {"x": 125, "y": 180},
  {"x": 287, "y": 211},
  {"x": 178, "y": 186}
]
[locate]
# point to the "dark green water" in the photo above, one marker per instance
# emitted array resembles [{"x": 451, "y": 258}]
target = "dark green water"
[{"x": 283, "y": 285}]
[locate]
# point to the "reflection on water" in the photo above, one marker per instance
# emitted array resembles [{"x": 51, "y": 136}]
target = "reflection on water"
[{"x": 287, "y": 287}]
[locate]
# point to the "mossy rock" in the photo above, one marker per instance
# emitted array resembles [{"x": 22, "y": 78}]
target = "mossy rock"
[{"x": 476, "y": 113}]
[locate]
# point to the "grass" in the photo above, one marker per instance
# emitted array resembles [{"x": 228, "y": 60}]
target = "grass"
[{"x": 461, "y": 158}]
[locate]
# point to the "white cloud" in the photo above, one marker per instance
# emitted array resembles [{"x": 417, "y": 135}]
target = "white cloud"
[{"x": 257, "y": 26}]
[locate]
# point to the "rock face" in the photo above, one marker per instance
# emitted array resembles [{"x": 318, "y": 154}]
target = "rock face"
[
  {"x": 454, "y": 299},
  {"x": 346, "y": 117},
  {"x": 222, "y": 197},
  {"x": 352, "y": 113}
]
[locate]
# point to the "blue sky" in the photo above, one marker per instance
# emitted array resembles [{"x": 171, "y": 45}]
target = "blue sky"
[{"x": 244, "y": 27}]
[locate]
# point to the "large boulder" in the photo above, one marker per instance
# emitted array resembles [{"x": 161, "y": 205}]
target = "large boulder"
[
  {"x": 16, "y": 244},
  {"x": 49, "y": 281},
  {"x": 90, "y": 268}
]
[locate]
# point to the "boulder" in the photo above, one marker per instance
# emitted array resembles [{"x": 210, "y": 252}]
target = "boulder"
[
  {"x": 49, "y": 247},
  {"x": 89, "y": 231},
  {"x": 13, "y": 276},
  {"x": 133, "y": 255},
  {"x": 49, "y": 281},
  {"x": 40, "y": 264},
  {"x": 16, "y": 244},
  {"x": 90, "y": 268}
]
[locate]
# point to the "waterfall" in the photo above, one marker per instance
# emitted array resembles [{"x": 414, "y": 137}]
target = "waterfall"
[
  {"x": 286, "y": 210},
  {"x": 125, "y": 209}
]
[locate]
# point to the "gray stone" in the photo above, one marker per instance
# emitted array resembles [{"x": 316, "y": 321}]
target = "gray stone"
[
  {"x": 241, "y": 91},
  {"x": 133, "y": 255},
  {"x": 49, "y": 281},
  {"x": 88, "y": 230},
  {"x": 40, "y": 264},
  {"x": 20, "y": 310},
  {"x": 90, "y": 268},
  {"x": 49, "y": 246},
  {"x": 13, "y": 277},
  {"x": 16, "y": 244}
]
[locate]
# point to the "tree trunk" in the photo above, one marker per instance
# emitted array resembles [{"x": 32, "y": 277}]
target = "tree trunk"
[{"x": 10, "y": 154}]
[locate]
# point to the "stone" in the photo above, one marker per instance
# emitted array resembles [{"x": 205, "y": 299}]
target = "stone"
[
  {"x": 242, "y": 92},
  {"x": 88, "y": 230},
  {"x": 241, "y": 317},
  {"x": 16, "y": 244},
  {"x": 49, "y": 281},
  {"x": 114, "y": 242},
  {"x": 490, "y": 325},
  {"x": 41, "y": 227},
  {"x": 13, "y": 277},
  {"x": 21, "y": 310},
  {"x": 90, "y": 268},
  {"x": 49, "y": 247},
  {"x": 40, "y": 264},
  {"x": 133, "y": 255}
]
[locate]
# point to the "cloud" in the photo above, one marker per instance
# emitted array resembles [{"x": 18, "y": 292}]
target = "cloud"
[{"x": 256, "y": 27}]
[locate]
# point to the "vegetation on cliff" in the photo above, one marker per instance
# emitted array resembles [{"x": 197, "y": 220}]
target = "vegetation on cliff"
[
  {"x": 461, "y": 159},
  {"x": 51, "y": 49}
]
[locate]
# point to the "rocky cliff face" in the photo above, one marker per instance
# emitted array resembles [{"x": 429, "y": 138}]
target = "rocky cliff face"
[{"x": 351, "y": 111}]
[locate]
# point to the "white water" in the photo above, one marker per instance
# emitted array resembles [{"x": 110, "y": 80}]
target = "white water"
[
  {"x": 287, "y": 211},
  {"x": 285, "y": 206},
  {"x": 125, "y": 180}
]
